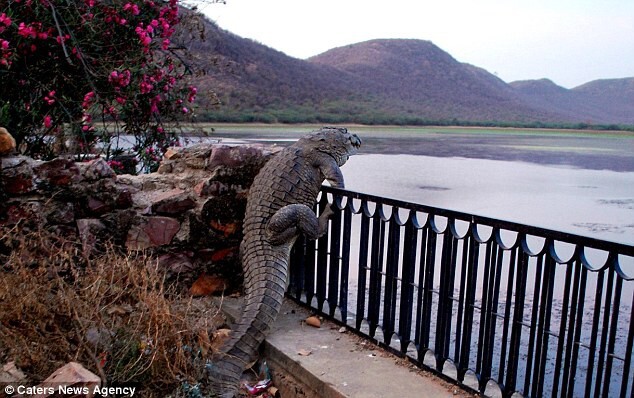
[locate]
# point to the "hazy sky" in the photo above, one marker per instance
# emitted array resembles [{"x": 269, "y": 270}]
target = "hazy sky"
[{"x": 568, "y": 41}]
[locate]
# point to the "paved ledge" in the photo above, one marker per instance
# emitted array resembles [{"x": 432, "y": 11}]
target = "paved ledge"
[{"x": 309, "y": 362}]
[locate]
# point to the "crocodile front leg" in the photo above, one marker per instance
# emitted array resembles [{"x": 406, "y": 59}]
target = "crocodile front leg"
[
  {"x": 291, "y": 220},
  {"x": 330, "y": 169}
]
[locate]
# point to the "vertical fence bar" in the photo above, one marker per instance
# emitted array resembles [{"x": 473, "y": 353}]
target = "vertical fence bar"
[
  {"x": 518, "y": 320},
  {"x": 562, "y": 327},
  {"x": 309, "y": 270},
  {"x": 612, "y": 338},
  {"x": 570, "y": 342},
  {"x": 507, "y": 314},
  {"x": 391, "y": 276},
  {"x": 595, "y": 331},
  {"x": 430, "y": 262},
  {"x": 334, "y": 259},
  {"x": 628, "y": 356},
  {"x": 461, "y": 304},
  {"x": 545, "y": 309},
  {"x": 533, "y": 328},
  {"x": 484, "y": 367},
  {"x": 345, "y": 261},
  {"x": 443, "y": 319},
  {"x": 363, "y": 262},
  {"x": 422, "y": 269},
  {"x": 472, "y": 277},
  {"x": 492, "y": 311},
  {"x": 407, "y": 283},
  {"x": 604, "y": 336},
  {"x": 578, "y": 326},
  {"x": 376, "y": 266},
  {"x": 298, "y": 260}
]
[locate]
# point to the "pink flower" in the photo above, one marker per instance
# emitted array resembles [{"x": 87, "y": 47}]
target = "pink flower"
[
  {"x": 121, "y": 79},
  {"x": 192, "y": 94},
  {"x": 47, "y": 121},
  {"x": 50, "y": 98},
  {"x": 166, "y": 44},
  {"x": 26, "y": 31},
  {"x": 88, "y": 99},
  {"x": 4, "y": 44},
  {"x": 5, "y": 20},
  {"x": 146, "y": 87},
  {"x": 133, "y": 8}
]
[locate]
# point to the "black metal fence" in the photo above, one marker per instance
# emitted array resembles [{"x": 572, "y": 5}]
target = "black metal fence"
[{"x": 498, "y": 306}]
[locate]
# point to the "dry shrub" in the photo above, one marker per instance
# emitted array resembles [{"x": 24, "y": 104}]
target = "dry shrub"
[{"x": 114, "y": 313}]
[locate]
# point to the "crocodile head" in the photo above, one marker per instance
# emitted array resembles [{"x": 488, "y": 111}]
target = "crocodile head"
[{"x": 334, "y": 141}]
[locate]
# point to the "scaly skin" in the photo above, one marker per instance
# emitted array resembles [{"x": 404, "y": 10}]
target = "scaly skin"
[{"x": 279, "y": 209}]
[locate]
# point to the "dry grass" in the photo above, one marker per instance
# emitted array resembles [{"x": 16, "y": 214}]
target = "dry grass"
[{"x": 115, "y": 313}]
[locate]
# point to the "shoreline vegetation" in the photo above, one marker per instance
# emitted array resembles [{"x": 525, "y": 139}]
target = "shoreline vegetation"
[{"x": 210, "y": 128}]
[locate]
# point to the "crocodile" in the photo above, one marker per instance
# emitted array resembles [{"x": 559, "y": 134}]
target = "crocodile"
[{"x": 279, "y": 208}]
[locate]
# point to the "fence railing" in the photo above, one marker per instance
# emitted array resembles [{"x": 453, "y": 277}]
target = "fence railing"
[{"x": 491, "y": 304}]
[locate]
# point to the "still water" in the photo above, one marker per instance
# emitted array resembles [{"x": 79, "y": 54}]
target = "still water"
[{"x": 576, "y": 182}]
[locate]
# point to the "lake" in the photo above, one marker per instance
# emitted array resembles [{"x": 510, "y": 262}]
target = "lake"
[{"x": 577, "y": 182}]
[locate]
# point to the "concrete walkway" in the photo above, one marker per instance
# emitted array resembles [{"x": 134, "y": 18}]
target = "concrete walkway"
[{"x": 323, "y": 362}]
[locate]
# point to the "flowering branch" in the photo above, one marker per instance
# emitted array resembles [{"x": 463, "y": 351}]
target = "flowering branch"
[{"x": 62, "y": 63}]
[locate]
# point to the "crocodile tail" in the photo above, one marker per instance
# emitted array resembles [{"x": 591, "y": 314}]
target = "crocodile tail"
[{"x": 265, "y": 285}]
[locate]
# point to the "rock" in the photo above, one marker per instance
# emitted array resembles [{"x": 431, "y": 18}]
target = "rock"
[
  {"x": 173, "y": 153},
  {"x": 96, "y": 169},
  {"x": 224, "y": 155},
  {"x": 89, "y": 230},
  {"x": 11, "y": 374},
  {"x": 99, "y": 337},
  {"x": 124, "y": 198},
  {"x": 313, "y": 321},
  {"x": 57, "y": 173},
  {"x": 176, "y": 263},
  {"x": 72, "y": 374},
  {"x": 173, "y": 202},
  {"x": 166, "y": 167},
  {"x": 223, "y": 254},
  {"x": 61, "y": 213},
  {"x": 207, "y": 285},
  {"x": 7, "y": 142},
  {"x": 152, "y": 232},
  {"x": 14, "y": 213},
  {"x": 227, "y": 229},
  {"x": 97, "y": 206},
  {"x": 16, "y": 174}
]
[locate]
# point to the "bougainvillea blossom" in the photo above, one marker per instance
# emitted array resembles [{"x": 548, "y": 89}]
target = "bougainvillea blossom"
[{"x": 78, "y": 60}]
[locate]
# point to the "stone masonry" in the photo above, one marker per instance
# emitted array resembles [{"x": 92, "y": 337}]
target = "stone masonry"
[{"x": 188, "y": 214}]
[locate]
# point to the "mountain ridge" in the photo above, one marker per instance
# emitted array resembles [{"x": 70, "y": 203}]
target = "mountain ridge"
[{"x": 391, "y": 81}]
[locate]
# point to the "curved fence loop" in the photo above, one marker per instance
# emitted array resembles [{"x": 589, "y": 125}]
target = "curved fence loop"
[
  {"x": 439, "y": 224},
  {"x": 532, "y": 245},
  {"x": 481, "y": 233},
  {"x": 506, "y": 239},
  {"x": 499, "y": 306}
]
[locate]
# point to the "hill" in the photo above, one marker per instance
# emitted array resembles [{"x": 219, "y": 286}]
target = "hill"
[
  {"x": 416, "y": 77},
  {"x": 396, "y": 81},
  {"x": 609, "y": 101}
]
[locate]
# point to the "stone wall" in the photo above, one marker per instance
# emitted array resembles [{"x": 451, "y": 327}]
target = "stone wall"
[{"x": 188, "y": 214}]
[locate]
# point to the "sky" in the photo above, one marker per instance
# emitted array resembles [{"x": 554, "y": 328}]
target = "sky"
[{"x": 570, "y": 42}]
